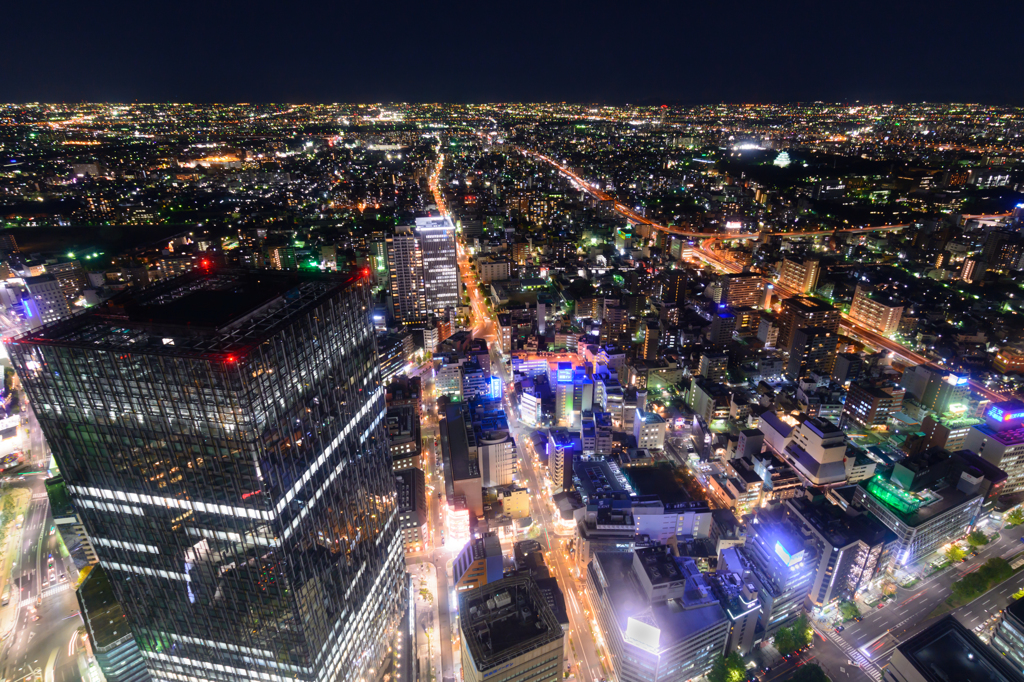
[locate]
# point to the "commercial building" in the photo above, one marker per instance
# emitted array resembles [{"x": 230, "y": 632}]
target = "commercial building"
[
  {"x": 801, "y": 277},
  {"x": 948, "y": 431},
  {"x": 936, "y": 389},
  {"x": 802, "y": 311},
  {"x": 742, "y": 607},
  {"x": 875, "y": 311},
  {"x": 657, "y": 614},
  {"x": 926, "y": 501},
  {"x": 1000, "y": 440},
  {"x": 948, "y": 651},
  {"x": 649, "y": 430},
  {"x": 441, "y": 284},
  {"x": 818, "y": 451},
  {"x": 851, "y": 550},
  {"x": 510, "y": 633},
  {"x": 780, "y": 559},
  {"x": 461, "y": 456},
  {"x": 404, "y": 443},
  {"x": 413, "y": 511},
  {"x": 257, "y": 397},
  {"x": 1008, "y": 638},
  {"x": 871, "y": 406},
  {"x": 1009, "y": 360},
  {"x": 47, "y": 302},
  {"x": 609, "y": 527},
  {"x": 110, "y": 636},
  {"x": 497, "y": 455},
  {"x": 478, "y": 563}
]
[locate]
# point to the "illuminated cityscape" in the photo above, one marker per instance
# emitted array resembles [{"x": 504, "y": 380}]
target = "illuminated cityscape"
[{"x": 518, "y": 392}]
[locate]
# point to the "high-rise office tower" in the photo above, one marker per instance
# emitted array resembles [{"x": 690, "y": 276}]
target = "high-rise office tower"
[
  {"x": 784, "y": 560},
  {"x": 440, "y": 264},
  {"x": 802, "y": 311},
  {"x": 424, "y": 270},
  {"x": 405, "y": 263},
  {"x": 1000, "y": 440},
  {"x": 222, "y": 438}
]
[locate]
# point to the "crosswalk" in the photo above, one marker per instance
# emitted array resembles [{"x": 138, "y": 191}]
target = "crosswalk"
[
  {"x": 47, "y": 592},
  {"x": 856, "y": 656}
]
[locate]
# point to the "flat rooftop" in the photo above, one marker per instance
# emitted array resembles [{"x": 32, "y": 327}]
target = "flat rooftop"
[
  {"x": 658, "y": 480},
  {"x": 948, "y": 651},
  {"x": 674, "y": 619},
  {"x": 506, "y": 619},
  {"x": 201, "y": 312}
]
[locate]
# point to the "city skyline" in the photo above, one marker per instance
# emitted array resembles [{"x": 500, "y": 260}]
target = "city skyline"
[{"x": 396, "y": 392}]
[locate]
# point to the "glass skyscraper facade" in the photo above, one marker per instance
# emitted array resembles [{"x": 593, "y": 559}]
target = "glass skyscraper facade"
[
  {"x": 440, "y": 264},
  {"x": 222, "y": 437}
]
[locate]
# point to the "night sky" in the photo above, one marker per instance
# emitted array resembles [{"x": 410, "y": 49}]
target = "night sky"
[{"x": 623, "y": 52}]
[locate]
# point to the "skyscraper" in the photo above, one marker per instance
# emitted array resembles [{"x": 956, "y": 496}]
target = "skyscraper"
[
  {"x": 222, "y": 437},
  {"x": 424, "y": 270},
  {"x": 405, "y": 265},
  {"x": 440, "y": 264}
]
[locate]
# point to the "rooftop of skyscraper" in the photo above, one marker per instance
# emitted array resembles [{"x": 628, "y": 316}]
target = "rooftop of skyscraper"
[{"x": 220, "y": 311}]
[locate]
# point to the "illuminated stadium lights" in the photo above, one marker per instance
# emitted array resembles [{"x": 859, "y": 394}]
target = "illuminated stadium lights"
[{"x": 893, "y": 496}]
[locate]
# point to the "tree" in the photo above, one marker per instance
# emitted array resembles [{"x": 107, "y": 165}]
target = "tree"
[
  {"x": 802, "y": 632},
  {"x": 954, "y": 553},
  {"x": 727, "y": 668},
  {"x": 977, "y": 539},
  {"x": 889, "y": 588},
  {"x": 809, "y": 672},
  {"x": 849, "y": 610},
  {"x": 784, "y": 641},
  {"x": 1015, "y": 517}
]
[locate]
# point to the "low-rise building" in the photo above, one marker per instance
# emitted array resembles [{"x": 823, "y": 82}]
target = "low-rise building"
[
  {"x": 479, "y": 563},
  {"x": 925, "y": 501},
  {"x": 649, "y": 430},
  {"x": 657, "y": 614}
]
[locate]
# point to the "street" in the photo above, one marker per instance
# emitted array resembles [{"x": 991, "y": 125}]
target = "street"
[
  {"x": 42, "y": 628},
  {"x": 881, "y": 630}
]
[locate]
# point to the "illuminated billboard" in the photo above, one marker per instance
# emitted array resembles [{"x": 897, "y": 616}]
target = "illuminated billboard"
[
  {"x": 1003, "y": 415},
  {"x": 783, "y": 554},
  {"x": 496, "y": 388}
]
